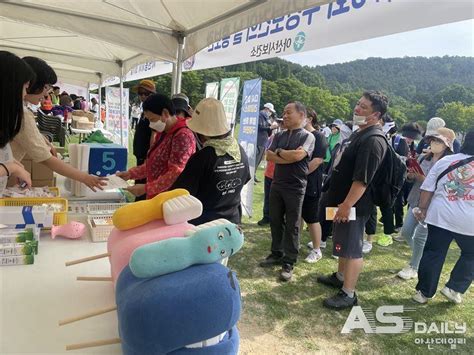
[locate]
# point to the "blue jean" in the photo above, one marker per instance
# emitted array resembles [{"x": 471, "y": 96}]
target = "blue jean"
[
  {"x": 415, "y": 235},
  {"x": 434, "y": 254}
]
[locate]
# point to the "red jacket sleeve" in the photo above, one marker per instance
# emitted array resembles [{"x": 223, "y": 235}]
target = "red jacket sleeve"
[{"x": 182, "y": 147}]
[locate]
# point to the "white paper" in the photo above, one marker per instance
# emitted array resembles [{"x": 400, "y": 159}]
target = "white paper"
[
  {"x": 331, "y": 212},
  {"x": 115, "y": 182}
]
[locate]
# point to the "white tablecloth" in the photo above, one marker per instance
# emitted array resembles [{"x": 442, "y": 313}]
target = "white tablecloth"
[{"x": 33, "y": 298}]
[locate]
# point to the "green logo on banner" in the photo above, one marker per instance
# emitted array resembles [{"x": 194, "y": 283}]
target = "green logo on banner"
[{"x": 299, "y": 41}]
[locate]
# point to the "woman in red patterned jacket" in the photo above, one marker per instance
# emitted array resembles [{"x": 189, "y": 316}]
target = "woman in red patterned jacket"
[{"x": 173, "y": 145}]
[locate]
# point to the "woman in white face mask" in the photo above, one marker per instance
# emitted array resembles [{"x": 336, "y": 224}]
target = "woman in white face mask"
[
  {"x": 173, "y": 145},
  {"x": 441, "y": 144}
]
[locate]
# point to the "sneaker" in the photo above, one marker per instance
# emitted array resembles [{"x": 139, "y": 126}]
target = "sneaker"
[
  {"x": 322, "y": 245},
  {"x": 407, "y": 273},
  {"x": 384, "y": 240},
  {"x": 399, "y": 238},
  {"x": 264, "y": 221},
  {"x": 366, "y": 247},
  {"x": 420, "y": 297},
  {"x": 270, "y": 260},
  {"x": 397, "y": 229},
  {"x": 286, "y": 272},
  {"x": 340, "y": 301},
  {"x": 313, "y": 257},
  {"x": 335, "y": 257},
  {"x": 330, "y": 280},
  {"x": 451, "y": 295}
]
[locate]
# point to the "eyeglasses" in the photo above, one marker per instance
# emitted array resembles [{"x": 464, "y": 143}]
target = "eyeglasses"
[{"x": 144, "y": 93}]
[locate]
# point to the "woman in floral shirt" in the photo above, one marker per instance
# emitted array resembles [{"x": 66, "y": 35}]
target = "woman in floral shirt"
[{"x": 173, "y": 145}]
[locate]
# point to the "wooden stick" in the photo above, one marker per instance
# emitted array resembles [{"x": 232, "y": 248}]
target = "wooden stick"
[
  {"x": 88, "y": 315},
  {"x": 93, "y": 278},
  {"x": 92, "y": 344},
  {"x": 90, "y": 258}
]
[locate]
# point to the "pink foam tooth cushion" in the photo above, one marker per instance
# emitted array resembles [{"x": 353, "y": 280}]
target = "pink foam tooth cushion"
[{"x": 121, "y": 244}]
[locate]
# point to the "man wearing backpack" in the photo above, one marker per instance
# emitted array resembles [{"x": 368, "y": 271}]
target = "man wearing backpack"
[
  {"x": 389, "y": 213},
  {"x": 348, "y": 185}
]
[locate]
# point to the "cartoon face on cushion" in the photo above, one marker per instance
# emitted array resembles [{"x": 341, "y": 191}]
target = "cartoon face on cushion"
[
  {"x": 193, "y": 311},
  {"x": 206, "y": 243}
]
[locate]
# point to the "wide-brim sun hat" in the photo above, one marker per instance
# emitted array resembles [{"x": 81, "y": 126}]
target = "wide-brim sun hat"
[
  {"x": 446, "y": 136},
  {"x": 147, "y": 85},
  {"x": 433, "y": 124},
  {"x": 209, "y": 118},
  {"x": 270, "y": 106}
]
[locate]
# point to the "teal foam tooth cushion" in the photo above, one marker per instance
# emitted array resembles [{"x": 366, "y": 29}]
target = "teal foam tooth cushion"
[{"x": 207, "y": 244}]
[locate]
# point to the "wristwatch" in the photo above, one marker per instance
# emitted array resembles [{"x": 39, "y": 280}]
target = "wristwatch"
[{"x": 277, "y": 151}]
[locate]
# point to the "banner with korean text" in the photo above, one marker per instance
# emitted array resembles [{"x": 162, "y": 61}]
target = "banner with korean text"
[
  {"x": 212, "y": 90},
  {"x": 248, "y": 135},
  {"x": 339, "y": 22},
  {"x": 229, "y": 95},
  {"x": 112, "y": 120}
]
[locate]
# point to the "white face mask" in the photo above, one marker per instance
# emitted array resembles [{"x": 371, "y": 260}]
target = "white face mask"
[
  {"x": 158, "y": 126},
  {"x": 437, "y": 147},
  {"x": 359, "y": 120}
]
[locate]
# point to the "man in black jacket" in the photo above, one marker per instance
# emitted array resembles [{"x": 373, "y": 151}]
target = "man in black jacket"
[{"x": 142, "y": 136}]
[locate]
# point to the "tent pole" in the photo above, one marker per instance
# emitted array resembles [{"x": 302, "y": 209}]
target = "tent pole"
[
  {"x": 178, "y": 67},
  {"x": 122, "y": 113}
]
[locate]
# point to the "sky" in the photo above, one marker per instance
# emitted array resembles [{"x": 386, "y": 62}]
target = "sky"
[{"x": 451, "y": 39}]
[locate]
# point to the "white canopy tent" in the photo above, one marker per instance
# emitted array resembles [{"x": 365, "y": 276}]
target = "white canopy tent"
[{"x": 169, "y": 30}]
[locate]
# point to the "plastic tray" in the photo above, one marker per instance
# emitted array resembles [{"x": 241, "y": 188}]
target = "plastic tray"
[
  {"x": 59, "y": 218},
  {"x": 103, "y": 208},
  {"x": 99, "y": 233}
]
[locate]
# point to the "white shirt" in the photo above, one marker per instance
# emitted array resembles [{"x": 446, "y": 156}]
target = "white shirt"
[{"x": 452, "y": 205}]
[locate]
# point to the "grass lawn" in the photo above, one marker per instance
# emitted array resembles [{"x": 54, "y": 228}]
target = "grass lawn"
[{"x": 288, "y": 318}]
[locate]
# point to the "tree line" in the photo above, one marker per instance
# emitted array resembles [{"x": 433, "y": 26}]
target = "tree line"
[{"x": 418, "y": 88}]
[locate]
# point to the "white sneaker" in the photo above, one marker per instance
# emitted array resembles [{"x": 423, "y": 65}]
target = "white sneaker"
[
  {"x": 366, "y": 247},
  {"x": 322, "y": 245},
  {"x": 420, "y": 298},
  {"x": 451, "y": 295},
  {"x": 313, "y": 257},
  {"x": 407, "y": 273}
]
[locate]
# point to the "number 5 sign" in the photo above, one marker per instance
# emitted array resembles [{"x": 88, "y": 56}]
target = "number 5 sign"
[{"x": 106, "y": 159}]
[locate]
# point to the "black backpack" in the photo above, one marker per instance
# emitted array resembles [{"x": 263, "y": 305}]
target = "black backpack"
[{"x": 389, "y": 178}]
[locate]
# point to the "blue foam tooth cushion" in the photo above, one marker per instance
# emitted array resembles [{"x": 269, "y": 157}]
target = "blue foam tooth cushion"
[
  {"x": 164, "y": 314},
  {"x": 206, "y": 245}
]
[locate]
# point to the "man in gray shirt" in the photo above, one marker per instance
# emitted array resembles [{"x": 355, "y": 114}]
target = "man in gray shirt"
[{"x": 290, "y": 151}]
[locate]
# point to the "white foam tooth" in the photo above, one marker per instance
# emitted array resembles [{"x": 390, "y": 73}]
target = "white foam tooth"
[{"x": 181, "y": 209}]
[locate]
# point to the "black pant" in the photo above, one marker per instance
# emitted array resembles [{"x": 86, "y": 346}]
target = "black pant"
[
  {"x": 371, "y": 224},
  {"x": 134, "y": 122},
  {"x": 326, "y": 226},
  {"x": 389, "y": 212},
  {"x": 266, "y": 197},
  {"x": 259, "y": 156},
  {"x": 140, "y": 161},
  {"x": 285, "y": 222},
  {"x": 432, "y": 261}
]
